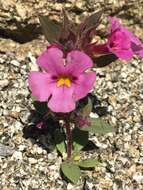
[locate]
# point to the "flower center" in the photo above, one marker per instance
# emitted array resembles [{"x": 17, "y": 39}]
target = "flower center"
[{"x": 64, "y": 81}]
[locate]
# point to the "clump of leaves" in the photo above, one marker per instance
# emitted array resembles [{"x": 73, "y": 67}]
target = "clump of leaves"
[
  {"x": 69, "y": 35},
  {"x": 80, "y": 125}
]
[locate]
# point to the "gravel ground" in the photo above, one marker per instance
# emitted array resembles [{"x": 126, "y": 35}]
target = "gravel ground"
[
  {"x": 25, "y": 163},
  {"x": 28, "y": 166}
]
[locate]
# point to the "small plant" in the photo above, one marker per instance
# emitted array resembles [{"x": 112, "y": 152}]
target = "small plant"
[{"x": 67, "y": 76}]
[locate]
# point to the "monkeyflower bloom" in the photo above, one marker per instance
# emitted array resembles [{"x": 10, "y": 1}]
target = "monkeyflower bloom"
[
  {"x": 120, "y": 42},
  {"x": 63, "y": 80}
]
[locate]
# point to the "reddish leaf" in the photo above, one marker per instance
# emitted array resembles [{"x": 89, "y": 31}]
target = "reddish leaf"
[
  {"x": 91, "y": 22},
  {"x": 68, "y": 32},
  {"x": 87, "y": 28}
]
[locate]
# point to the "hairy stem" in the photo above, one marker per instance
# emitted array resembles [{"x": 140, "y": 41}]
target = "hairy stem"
[{"x": 69, "y": 139}]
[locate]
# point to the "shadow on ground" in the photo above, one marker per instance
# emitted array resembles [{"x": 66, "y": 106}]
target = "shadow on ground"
[
  {"x": 44, "y": 130},
  {"x": 23, "y": 33}
]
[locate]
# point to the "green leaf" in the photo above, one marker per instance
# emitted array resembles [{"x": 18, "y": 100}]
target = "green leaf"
[
  {"x": 93, "y": 21},
  {"x": 89, "y": 163},
  {"x": 68, "y": 33},
  {"x": 41, "y": 107},
  {"x": 98, "y": 126},
  {"x": 60, "y": 142},
  {"x": 86, "y": 110},
  {"x": 87, "y": 28},
  {"x": 61, "y": 148},
  {"x": 51, "y": 29},
  {"x": 104, "y": 60},
  {"x": 80, "y": 139},
  {"x": 65, "y": 28},
  {"x": 71, "y": 171},
  {"x": 90, "y": 22},
  {"x": 33, "y": 98}
]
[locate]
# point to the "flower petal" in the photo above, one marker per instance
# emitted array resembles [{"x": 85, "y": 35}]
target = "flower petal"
[
  {"x": 114, "y": 24},
  {"x": 84, "y": 84},
  {"x": 117, "y": 45},
  {"x": 78, "y": 62},
  {"x": 52, "y": 61},
  {"x": 124, "y": 54},
  {"x": 118, "y": 39},
  {"x": 41, "y": 85},
  {"x": 99, "y": 49},
  {"x": 62, "y": 99},
  {"x": 136, "y": 46},
  {"x": 140, "y": 53}
]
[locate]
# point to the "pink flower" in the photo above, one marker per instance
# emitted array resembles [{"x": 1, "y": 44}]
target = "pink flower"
[
  {"x": 40, "y": 125},
  {"x": 63, "y": 81},
  {"x": 120, "y": 42}
]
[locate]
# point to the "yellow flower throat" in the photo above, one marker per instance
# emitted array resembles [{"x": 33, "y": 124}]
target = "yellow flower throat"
[{"x": 64, "y": 81}]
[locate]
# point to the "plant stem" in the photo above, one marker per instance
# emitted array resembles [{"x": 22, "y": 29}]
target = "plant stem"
[{"x": 69, "y": 139}]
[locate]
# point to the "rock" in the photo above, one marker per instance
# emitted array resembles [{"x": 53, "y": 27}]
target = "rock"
[
  {"x": 1, "y": 60},
  {"x": 32, "y": 160},
  {"x": 21, "y": 10},
  {"x": 112, "y": 100},
  {"x": 140, "y": 140},
  {"x": 6, "y": 150},
  {"x": 7, "y": 4},
  {"x": 14, "y": 114},
  {"x": 15, "y": 63},
  {"x": 39, "y": 150},
  {"x": 106, "y": 183},
  {"x": 17, "y": 155},
  {"x": 7, "y": 188},
  {"x": 138, "y": 177},
  {"x": 88, "y": 186},
  {"x": 3, "y": 83},
  {"x": 69, "y": 186},
  {"x": 140, "y": 161},
  {"x": 133, "y": 151},
  {"x": 98, "y": 144},
  {"x": 32, "y": 58},
  {"x": 79, "y": 5}
]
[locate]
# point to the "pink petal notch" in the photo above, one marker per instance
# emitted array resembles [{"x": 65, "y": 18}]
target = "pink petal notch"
[
  {"x": 78, "y": 62},
  {"x": 51, "y": 60}
]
